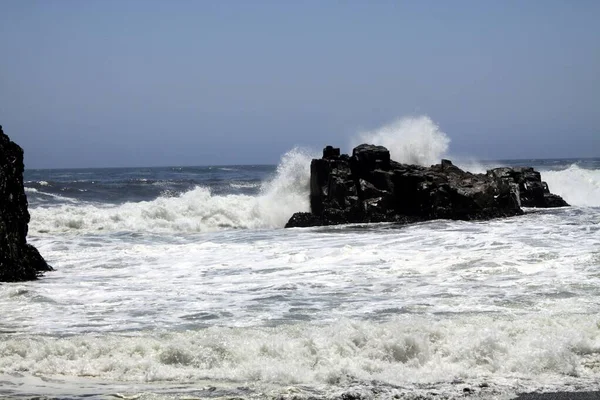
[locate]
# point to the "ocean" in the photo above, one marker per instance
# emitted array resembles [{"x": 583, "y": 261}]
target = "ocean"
[{"x": 180, "y": 282}]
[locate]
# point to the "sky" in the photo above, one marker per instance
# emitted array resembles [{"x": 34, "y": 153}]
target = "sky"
[{"x": 116, "y": 83}]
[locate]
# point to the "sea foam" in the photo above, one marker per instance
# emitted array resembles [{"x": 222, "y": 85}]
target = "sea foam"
[
  {"x": 528, "y": 352},
  {"x": 197, "y": 210}
]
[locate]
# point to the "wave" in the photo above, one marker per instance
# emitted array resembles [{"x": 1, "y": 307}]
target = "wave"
[
  {"x": 410, "y": 140},
  {"x": 197, "y": 210},
  {"x": 416, "y": 140},
  {"x": 40, "y": 183},
  {"x": 43, "y": 196},
  {"x": 241, "y": 185},
  {"x": 527, "y": 352},
  {"x": 578, "y": 186}
]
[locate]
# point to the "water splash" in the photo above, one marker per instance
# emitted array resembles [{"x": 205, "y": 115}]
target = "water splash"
[
  {"x": 197, "y": 210},
  {"x": 578, "y": 186},
  {"x": 410, "y": 140}
]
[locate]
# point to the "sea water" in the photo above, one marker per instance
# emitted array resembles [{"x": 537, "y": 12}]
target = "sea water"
[{"x": 180, "y": 282}]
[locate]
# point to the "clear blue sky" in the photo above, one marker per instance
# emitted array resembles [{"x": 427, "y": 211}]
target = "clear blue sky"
[{"x": 138, "y": 83}]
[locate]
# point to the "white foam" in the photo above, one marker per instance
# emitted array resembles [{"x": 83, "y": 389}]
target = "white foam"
[
  {"x": 194, "y": 211},
  {"x": 55, "y": 196},
  {"x": 239, "y": 185},
  {"x": 411, "y": 140},
  {"x": 501, "y": 266},
  {"x": 528, "y": 352},
  {"x": 578, "y": 186},
  {"x": 511, "y": 303}
]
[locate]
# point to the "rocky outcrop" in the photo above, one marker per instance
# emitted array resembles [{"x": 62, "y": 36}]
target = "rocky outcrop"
[
  {"x": 533, "y": 192},
  {"x": 19, "y": 261},
  {"x": 370, "y": 187}
]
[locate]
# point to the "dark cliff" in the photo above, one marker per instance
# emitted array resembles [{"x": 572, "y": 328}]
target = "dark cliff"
[
  {"x": 19, "y": 261},
  {"x": 370, "y": 187}
]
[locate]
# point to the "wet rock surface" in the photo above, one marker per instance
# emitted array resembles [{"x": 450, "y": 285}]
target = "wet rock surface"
[{"x": 370, "y": 187}]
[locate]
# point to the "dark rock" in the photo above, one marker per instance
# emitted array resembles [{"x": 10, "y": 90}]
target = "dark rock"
[
  {"x": 370, "y": 187},
  {"x": 366, "y": 158},
  {"x": 303, "y": 220},
  {"x": 331, "y": 152},
  {"x": 368, "y": 190},
  {"x": 533, "y": 192},
  {"x": 19, "y": 261},
  {"x": 554, "y": 200}
]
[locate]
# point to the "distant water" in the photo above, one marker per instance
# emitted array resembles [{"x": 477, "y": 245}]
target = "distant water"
[{"x": 181, "y": 283}]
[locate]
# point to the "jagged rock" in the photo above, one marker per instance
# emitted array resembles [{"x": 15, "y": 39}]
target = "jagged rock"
[
  {"x": 533, "y": 191},
  {"x": 370, "y": 187},
  {"x": 19, "y": 261}
]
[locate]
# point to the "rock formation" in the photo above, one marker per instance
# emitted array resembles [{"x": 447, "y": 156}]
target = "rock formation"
[
  {"x": 533, "y": 192},
  {"x": 370, "y": 187},
  {"x": 19, "y": 261}
]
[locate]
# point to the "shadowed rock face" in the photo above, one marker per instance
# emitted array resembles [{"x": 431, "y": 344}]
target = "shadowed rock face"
[
  {"x": 533, "y": 192},
  {"x": 19, "y": 261},
  {"x": 370, "y": 187}
]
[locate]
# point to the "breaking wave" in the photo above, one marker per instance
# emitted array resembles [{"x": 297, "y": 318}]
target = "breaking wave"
[
  {"x": 415, "y": 140},
  {"x": 197, "y": 210},
  {"x": 578, "y": 186},
  {"x": 532, "y": 352}
]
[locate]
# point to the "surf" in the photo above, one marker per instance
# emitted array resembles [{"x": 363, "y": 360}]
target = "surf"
[
  {"x": 415, "y": 140},
  {"x": 578, "y": 186},
  {"x": 197, "y": 210}
]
